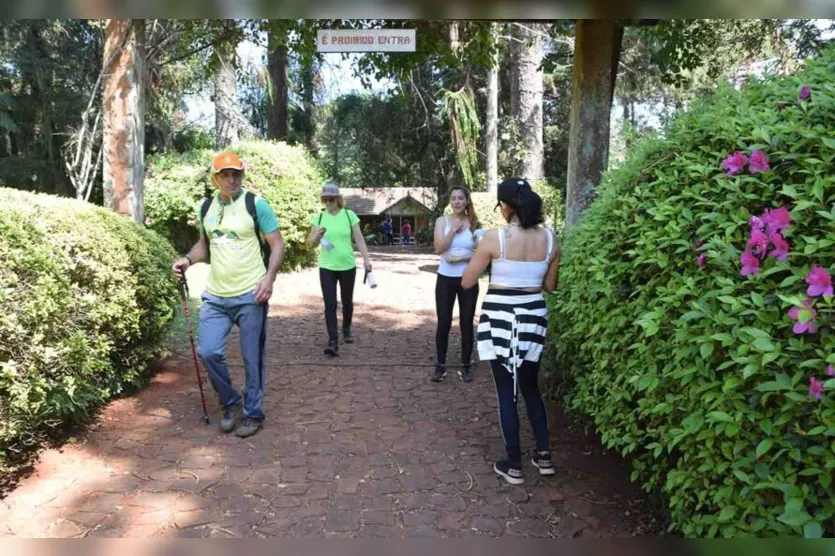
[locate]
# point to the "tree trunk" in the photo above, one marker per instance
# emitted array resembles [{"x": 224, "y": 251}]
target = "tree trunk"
[
  {"x": 226, "y": 113},
  {"x": 492, "y": 125},
  {"x": 308, "y": 82},
  {"x": 526, "y": 96},
  {"x": 277, "y": 108},
  {"x": 596, "y": 54},
  {"x": 123, "y": 107}
]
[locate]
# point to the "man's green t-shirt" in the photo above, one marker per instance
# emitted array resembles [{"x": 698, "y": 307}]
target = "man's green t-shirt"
[
  {"x": 339, "y": 228},
  {"x": 236, "y": 266}
]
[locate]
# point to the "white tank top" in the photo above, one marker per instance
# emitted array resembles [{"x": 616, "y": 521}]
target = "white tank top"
[
  {"x": 520, "y": 274},
  {"x": 463, "y": 245}
]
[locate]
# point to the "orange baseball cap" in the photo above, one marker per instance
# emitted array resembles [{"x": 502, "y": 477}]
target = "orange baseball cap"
[{"x": 226, "y": 160}]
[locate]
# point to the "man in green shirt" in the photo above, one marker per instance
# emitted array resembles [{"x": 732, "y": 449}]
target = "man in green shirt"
[{"x": 238, "y": 289}]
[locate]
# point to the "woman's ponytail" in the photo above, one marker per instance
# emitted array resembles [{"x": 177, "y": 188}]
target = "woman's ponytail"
[{"x": 528, "y": 207}]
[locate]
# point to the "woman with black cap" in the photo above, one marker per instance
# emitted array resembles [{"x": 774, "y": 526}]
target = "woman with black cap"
[{"x": 511, "y": 332}]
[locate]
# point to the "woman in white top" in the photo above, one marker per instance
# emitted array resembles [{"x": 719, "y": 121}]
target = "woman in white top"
[
  {"x": 511, "y": 332},
  {"x": 455, "y": 243}
]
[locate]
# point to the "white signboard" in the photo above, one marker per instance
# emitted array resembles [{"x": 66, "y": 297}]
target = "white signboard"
[{"x": 366, "y": 40}]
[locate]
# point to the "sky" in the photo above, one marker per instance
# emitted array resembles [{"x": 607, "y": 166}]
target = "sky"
[{"x": 337, "y": 76}]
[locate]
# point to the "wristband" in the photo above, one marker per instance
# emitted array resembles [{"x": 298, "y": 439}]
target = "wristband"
[{"x": 190, "y": 262}]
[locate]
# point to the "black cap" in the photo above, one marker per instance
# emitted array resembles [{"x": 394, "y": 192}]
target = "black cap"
[{"x": 508, "y": 190}]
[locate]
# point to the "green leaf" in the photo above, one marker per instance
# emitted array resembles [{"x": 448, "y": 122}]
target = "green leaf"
[
  {"x": 813, "y": 529},
  {"x": 727, "y": 513},
  {"x": 763, "y": 447},
  {"x": 719, "y": 416},
  {"x": 742, "y": 476},
  {"x": 755, "y": 332},
  {"x": 794, "y": 517},
  {"x": 706, "y": 349},
  {"x": 764, "y": 344}
]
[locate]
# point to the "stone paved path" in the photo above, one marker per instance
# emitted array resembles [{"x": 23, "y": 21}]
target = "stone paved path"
[{"x": 365, "y": 446}]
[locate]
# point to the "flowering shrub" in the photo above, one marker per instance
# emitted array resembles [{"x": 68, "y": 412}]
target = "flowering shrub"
[{"x": 693, "y": 320}]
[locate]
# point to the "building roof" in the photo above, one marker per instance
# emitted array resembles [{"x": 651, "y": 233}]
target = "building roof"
[{"x": 376, "y": 200}]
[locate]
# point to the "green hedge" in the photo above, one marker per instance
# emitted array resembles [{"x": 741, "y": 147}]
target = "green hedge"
[
  {"x": 286, "y": 176},
  {"x": 681, "y": 362},
  {"x": 86, "y": 297}
]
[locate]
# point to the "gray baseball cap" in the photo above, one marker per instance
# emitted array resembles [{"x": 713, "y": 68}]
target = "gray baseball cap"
[{"x": 330, "y": 190}]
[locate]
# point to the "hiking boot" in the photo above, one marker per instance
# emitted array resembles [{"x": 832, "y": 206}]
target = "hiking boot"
[
  {"x": 332, "y": 349},
  {"x": 248, "y": 427},
  {"x": 510, "y": 472},
  {"x": 230, "y": 417},
  {"x": 465, "y": 373},
  {"x": 346, "y": 335},
  {"x": 440, "y": 373},
  {"x": 542, "y": 461}
]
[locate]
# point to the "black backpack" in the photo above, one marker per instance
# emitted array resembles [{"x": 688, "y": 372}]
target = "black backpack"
[{"x": 249, "y": 200}]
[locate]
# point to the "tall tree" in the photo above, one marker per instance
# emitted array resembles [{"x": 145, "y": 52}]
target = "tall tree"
[
  {"x": 526, "y": 94},
  {"x": 491, "y": 134},
  {"x": 226, "y": 112},
  {"x": 123, "y": 100},
  {"x": 277, "y": 69},
  {"x": 596, "y": 54}
]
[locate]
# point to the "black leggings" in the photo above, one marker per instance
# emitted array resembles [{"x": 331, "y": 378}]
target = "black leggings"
[
  {"x": 446, "y": 290},
  {"x": 528, "y": 378},
  {"x": 328, "y": 280}
]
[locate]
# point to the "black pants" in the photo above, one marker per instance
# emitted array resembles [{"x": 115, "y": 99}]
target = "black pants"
[
  {"x": 528, "y": 378},
  {"x": 447, "y": 288},
  {"x": 328, "y": 280}
]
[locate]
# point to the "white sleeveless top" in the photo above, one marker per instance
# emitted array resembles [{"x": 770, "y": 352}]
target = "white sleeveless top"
[
  {"x": 520, "y": 274},
  {"x": 462, "y": 245}
]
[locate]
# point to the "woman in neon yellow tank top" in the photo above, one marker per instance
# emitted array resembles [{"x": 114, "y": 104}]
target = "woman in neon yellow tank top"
[{"x": 333, "y": 229}]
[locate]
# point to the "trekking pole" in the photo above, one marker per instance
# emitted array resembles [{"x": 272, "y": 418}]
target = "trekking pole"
[{"x": 183, "y": 287}]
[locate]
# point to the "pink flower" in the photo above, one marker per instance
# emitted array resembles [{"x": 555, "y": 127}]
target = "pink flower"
[
  {"x": 700, "y": 260},
  {"x": 805, "y": 318},
  {"x": 758, "y": 162},
  {"x": 805, "y": 92},
  {"x": 820, "y": 282},
  {"x": 830, "y": 371},
  {"x": 758, "y": 242},
  {"x": 734, "y": 163},
  {"x": 780, "y": 250},
  {"x": 756, "y": 223},
  {"x": 776, "y": 220},
  {"x": 815, "y": 388},
  {"x": 750, "y": 264}
]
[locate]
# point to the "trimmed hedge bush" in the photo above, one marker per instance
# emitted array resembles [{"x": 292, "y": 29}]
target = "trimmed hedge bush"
[
  {"x": 286, "y": 176},
  {"x": 724, "y": 400},
  {"x": 86, "y": 297}
]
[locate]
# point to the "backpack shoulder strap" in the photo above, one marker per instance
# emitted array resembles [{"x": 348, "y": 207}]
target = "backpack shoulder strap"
[
  {"x": 204, "y": 210},
  {"x": 319, "y": 223},
  {"x": 348, "y": 216},
  {"x": 249, "y": 200}
]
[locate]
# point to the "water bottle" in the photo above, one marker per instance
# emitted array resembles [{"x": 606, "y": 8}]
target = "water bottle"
[
  {"x": 325, "y": 243},
  {"x": 372, "y": 282}
]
